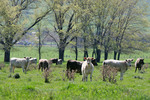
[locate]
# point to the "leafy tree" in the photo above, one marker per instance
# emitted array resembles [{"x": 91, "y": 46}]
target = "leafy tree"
[
  {"x": 130, "y": 23},
  {"x": 63, "y": 22},
  {"x": 13, "y": 22}
]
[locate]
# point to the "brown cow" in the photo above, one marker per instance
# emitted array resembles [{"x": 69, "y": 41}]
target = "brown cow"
[
  {"x": 139, "y": 63},
  {"x": 43, "y": 64}
]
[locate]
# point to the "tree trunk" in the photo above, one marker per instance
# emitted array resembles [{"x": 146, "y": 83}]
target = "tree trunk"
[
  {"x": 85, "y": 48},
  {"x": 98, "y": 52},
  {"x": 115, "y": 55},
  {"x": 40, "y": 47},
  {"x": 85, "y": 53},
  {"x": 7, "y": 55},
  {"x": 93, "y": 53},
  {"x": 61, "y": 53},
  {"x": 105, "y": 54},
  {"x": 76, "y": 48},
  {"x": 119, "y": 53}
]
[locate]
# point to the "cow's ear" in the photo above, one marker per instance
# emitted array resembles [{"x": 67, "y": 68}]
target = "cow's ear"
[
  {"x": 30, "y": 57},
  {"x": 126, "y": 60},
  {"x": 131, "y": 59},
  {"x": 85, "y": 58},
  {"x": 24, "y": 57}
]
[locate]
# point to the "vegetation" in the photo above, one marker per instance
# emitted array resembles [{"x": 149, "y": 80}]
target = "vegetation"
[
  {"x": 135, "y": 86},
  {"x": 102, "y": 25}
]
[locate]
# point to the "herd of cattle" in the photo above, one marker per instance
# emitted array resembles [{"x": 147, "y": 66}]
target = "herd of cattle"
[{"x": 83, "y": 67}]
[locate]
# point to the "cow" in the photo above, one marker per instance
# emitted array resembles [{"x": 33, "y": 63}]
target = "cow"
[
  {"x": 94, "y": 62},
  {"x": 87, "y": 68},
  {"x": 43, "y": 64},
  {"x": 19, "y": 63},
  {"x": 59, "y": 61},
  {"x": 74, "y": 65},
  {"x": 121, "y": 66},
  {"x": 54, "y": 60},
  {"x": 138, "y": 64},
  {"x": 33, "y": 61}
]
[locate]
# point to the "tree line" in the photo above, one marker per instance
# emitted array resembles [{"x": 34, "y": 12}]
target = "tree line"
[{"x": 104, "y": 25}]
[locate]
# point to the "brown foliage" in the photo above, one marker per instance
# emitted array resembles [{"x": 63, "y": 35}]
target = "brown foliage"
[{"x": 109, "y": 73}]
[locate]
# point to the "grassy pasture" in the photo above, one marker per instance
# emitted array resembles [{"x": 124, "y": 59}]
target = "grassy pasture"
[{"x": 31, "y": 86}]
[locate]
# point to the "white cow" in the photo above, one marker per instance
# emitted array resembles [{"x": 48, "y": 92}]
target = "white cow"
[
  {"x": 121, "y": 66},
  {"x": 19, "y": 63},
  {"x": 33, "y": 61},
  {"x": 87, "y": 68}
]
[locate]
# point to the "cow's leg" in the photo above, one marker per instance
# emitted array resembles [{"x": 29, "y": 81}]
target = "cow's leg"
[
  {"x": 91, "y": 77},
  {"x": 13, "y": 68},
  {"x": 121, "y": 75},
  {"x": 86, "y": 77},
  {"x": 83, "y": 78},
  {"x": 22, "y": 68},
  {"x": 140, "y": 69},
  {"x": 135, "y": 70}
]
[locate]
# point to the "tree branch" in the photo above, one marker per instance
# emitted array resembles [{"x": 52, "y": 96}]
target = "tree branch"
[{"x": 36, "y": 21}]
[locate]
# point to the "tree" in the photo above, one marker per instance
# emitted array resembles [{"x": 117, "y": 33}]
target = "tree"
[
  {"x": 129, "y": 23},
  {"x": 64, "y": 23},
  {"x": 13, "y": 15}
]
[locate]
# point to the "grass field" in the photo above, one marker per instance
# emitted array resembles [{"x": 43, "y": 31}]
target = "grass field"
[{"x": 31, "y": 86}]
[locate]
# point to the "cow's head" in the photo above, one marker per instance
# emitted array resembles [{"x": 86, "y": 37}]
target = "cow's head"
[
  {"x": 27, "y": 58},
  {"x": 89, "y": 59},
  {"x": 128, "y": 61},
  {"x": 94, "y": 62},
  {"x": 141, "y": 61}
]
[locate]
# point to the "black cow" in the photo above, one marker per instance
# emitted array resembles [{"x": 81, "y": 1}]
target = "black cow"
[
  {"x": 54, "y": 60},
  {"x": 139, "y": 63},
  {"x": 94, "y": 62},
  {"x": 74, "y": 65}
]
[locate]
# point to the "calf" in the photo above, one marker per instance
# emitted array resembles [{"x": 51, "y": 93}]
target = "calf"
[
  {"x": 87, "y": 68},
  {"x": 121, "y": 66},
  {"x": 54, "y": 60},
  {"x": 74, "y": 65},
  {"x": 19, "y": 63},
  {"x": 43, "y": 64},
  {"x": 139, "y": 63}
]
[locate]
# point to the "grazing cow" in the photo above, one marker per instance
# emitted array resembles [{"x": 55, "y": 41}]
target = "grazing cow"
[
  {"x": 19, "y": 63},
  {"x": 87, "y": 68},
  {"x": 74, "y": 65},
  {"x": 121, "y": 66},
  {"x": 33, "y": 61},
  {"x": 54, "y": 60},
  {"x": 59, "y": 61},
  {"x": 139, "y": 63},
  {"x": 43, "y": 64}
]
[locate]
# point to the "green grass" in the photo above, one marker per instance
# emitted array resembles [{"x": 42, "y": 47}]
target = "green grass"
[{"x": 31, "y": 86}]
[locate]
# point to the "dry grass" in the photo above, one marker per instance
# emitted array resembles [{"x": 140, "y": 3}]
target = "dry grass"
[{"x": 109, "y": 73}]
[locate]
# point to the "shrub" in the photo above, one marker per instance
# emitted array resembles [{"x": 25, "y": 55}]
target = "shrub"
[
  {"x": 109, "y": 73},
  {"x": 47, "y": 75},
  {"x": 71, "y": 74},
  {"x": 2, "y": 65}
]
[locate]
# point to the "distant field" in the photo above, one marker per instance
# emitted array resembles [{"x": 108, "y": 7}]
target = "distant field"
[
  {"x": 52, "y": 52},
  {"x": 31, "y": 86}
]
